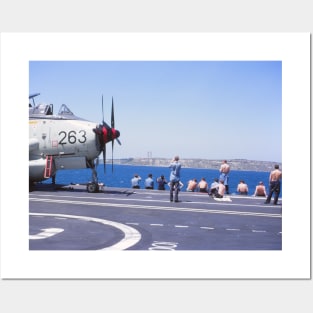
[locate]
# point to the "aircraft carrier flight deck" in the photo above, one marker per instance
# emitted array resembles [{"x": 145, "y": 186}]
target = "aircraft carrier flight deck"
[{"x": 70, "y": 218}]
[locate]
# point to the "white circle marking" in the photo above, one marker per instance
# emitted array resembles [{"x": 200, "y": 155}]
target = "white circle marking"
[{"x": 132, "y": 236}]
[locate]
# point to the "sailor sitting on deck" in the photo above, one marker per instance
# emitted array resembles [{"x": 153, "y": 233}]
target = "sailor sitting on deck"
[
  {"x": 149, "y": 183},
  {"x": 260, "y": 190},
  {"x": 135, "y": 181},
  {"x": 221, "y": 190},
  {"x": 214, "y": 188},
  {"x": 192, "y": 185},
  {"x": 242, "y": 188},
  {"x": 203, "y": 185}
]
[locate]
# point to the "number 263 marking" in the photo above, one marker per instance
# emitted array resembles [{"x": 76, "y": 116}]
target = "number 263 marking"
[{"x": 71, "y": 137}]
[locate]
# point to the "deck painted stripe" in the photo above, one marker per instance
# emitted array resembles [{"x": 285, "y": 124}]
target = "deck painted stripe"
[
  {"x": 132, "y": 236},
  {"x": 166, "y": 201},
  {"x": 46, "y": 233},
  {"x": 138, "y": 206}
]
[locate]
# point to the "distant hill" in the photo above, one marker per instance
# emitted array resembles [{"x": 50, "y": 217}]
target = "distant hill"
[{"x": 236, "y": 164}]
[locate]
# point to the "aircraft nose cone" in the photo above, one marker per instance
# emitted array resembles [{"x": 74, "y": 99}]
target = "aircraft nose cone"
[{"x": 117, "y": 133}]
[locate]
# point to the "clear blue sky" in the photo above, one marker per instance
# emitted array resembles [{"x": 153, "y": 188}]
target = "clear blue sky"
[{"x": 194, "y": 109}]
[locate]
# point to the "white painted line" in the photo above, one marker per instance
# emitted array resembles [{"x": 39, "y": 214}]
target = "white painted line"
[
  {"x": 223, "y": 199},
  {"x": 156, "y": 224},
  {"x": 233, "y": 229},
  {"x": 165, "y": 201},
  {"x": 132, "y": 236},
  {"x": 181, "y": 226},
  {"x": 204, "y": 227},
  {"x": 258, "y": 231},
  {"x": 164, "y": 208},
  {"x": 46, "y": 233}
]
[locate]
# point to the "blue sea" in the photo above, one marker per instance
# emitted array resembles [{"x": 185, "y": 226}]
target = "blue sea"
[{"x": 122, "y": 174}]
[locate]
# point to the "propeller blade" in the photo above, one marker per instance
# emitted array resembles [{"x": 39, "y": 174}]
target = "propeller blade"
[
  {"x": 112, "y": 161},
  {"x": 112, "y": 115},
  {"x": 106, "y": 133},
  {"x": 104, "y": 158},
  {"x": 112, "y": 126},
  {"x": 112, "y": 154},
  {"x": 102, "y": 111}
]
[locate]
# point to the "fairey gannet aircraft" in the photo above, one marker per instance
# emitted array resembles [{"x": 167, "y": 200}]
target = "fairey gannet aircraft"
[{"x": 65, "y": 141}]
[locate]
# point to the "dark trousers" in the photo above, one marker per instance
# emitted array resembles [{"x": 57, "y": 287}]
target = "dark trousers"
[
  {"x": 274, "y": 189},
  {"x": 227, "y": 189},
  {"x": 174, "y": 189},
  {"x": 213, "y": 192}
]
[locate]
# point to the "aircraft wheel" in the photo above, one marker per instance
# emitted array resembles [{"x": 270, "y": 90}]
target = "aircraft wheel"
[{"x": 92, "y": 187}]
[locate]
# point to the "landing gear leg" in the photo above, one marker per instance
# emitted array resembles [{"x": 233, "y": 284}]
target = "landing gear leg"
[{"x": 93, "y": 186}]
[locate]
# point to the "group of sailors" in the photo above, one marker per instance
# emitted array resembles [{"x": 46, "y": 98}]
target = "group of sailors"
[
  {"x": 149, "y": 182},
  {"x": 218, "y": 188},
  {"x": 215, "y": 189},
  {"x": 217, "y": 185}
]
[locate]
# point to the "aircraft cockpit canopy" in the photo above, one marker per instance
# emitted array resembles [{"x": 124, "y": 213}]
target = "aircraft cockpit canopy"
[
  {"x": 64, "y": 110},
  {"x": 42, "y": 109}
]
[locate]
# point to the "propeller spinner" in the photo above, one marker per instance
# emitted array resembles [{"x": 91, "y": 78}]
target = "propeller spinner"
[{"x": 105, "y": 134}]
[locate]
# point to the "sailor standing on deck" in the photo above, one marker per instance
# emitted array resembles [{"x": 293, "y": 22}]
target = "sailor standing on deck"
[
  {"x": 174, "y": 178},
  {"x": 224, "y": 170},
  {"x": 275, "y": 184}
]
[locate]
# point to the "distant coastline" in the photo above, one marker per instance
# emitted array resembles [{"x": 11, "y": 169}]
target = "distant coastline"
[{"x": 236, "y": 164}]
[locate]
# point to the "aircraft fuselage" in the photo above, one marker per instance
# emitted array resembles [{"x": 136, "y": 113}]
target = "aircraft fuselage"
[
  {"x": 65, "y": 141},
  {"x": 70, "y": 142}
]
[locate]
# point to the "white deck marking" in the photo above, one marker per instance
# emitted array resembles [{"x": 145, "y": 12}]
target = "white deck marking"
[
  {"x": 46, "y": 233},
  {"x": 166, "y": 201},
  {"x": 225, "y": 199},
  {"x": 132, "y": 236},
  {"x": 150, "y": 207}
]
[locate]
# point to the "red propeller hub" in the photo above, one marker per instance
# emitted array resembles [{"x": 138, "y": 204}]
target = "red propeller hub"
[{"x": 106, "y": 134}]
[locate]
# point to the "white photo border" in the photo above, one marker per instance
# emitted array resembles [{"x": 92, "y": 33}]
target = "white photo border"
[{"x": 17, "y": 262}]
